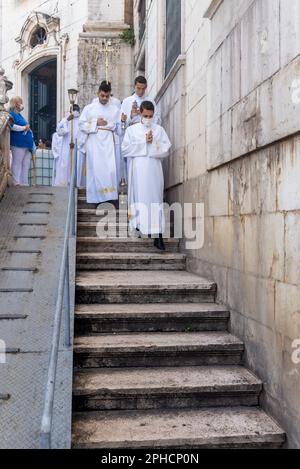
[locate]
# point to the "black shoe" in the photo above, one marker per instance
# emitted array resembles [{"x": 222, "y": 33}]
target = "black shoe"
[{"x": 159, "y": 243}]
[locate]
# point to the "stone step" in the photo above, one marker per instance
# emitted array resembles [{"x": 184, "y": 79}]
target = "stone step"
[
  {"x": 95, "y": 215},
  {"x": 143, "y": 287},
  {"x": 108, "y": 230},
  {"x": 150, "y": 318},
  {"x": 165, "y": 388},
  {"x": 82, "y": 204},
  {"x": 82, "y": 199},
  {"x": 236, "y": 427},
  {"x": 157, "y": 349},
  {"x": 86, "y": 244},
  {"x": 131, "y": 261}
]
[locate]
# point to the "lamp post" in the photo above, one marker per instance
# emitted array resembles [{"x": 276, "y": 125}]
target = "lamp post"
[{"x": 72, "y": 98}]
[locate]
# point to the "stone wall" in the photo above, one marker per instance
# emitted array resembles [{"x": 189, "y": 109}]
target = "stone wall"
[
  {"x": 231, "y": 107},
  {"x": 91, "y": 61}
]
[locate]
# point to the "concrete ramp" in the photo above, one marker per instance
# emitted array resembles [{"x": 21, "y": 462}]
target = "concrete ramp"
[{"x": 32, "y": 225}]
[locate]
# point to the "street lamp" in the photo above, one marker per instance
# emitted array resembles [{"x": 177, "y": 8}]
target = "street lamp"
[{"x": 72, "y": 96}]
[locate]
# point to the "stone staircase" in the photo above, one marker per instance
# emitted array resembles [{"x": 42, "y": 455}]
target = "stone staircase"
[{"x": 155, "y": 365}]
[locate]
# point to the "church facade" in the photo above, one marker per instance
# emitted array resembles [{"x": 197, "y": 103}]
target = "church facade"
[
  {"x": 50, "y": 46},
  {"x": 226, "y": 76}
]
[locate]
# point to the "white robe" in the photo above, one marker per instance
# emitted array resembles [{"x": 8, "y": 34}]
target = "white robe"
[
  {"x": 126, "y": 109},
  {"x": 102, "y": 185},
  {"x": 145, "y": 177},
  {"x": 121, "y": 171},
  {"x": 56, "y": 148},
  {"x": 63, "y": 170},
  {"x": 81, "y": 160}
]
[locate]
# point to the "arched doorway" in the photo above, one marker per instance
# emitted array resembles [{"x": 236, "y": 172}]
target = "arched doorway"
[{"x": 42, "y": 82}]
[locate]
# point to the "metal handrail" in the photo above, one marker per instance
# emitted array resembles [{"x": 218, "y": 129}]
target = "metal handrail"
[{"x": 63, "y": 291}]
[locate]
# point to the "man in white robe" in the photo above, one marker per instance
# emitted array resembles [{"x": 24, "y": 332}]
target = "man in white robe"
[
  {"x": 146, "y": 144},
  {"x": 98, "y": 121},
  {"x": 121, "y": 171},
  {"x": 130, "y": 109},
  {"x": 63, "y": 164}
]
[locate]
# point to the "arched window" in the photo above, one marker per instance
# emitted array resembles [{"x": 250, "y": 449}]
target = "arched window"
[{"x": 39, "y": 36}]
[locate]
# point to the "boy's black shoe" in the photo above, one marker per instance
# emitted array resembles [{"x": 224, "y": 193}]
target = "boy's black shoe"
[{"x": 159, "y": 243}]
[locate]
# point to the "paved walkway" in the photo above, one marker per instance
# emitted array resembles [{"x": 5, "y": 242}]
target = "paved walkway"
[{"x": 32, "y": 224}]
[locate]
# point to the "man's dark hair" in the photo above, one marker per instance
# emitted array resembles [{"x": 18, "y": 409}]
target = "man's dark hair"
[
  {"x": 148, "y": 106},
  {"x": 105, "y": 86},
  {"x": 104, "y": 82},
  {"x": 76, "y": 107},
  {"x": 141, "y": 80}
]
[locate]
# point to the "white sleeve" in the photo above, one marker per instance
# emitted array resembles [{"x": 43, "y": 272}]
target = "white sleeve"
[
  {"x": 18, "y": 128},
  {"x": 113, "y": 123},
  {"x": 56, "y": 145},
  {"x": 81, "y": 142},
  {"x": 160, "y": 146},
  {"x": 86, "y": 125},
  {"x": 132, "y": 149},
  {"x": 63, "y": 128}
]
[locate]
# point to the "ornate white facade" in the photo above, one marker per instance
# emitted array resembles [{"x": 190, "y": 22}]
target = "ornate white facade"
[{"x": 71, "y": 29}]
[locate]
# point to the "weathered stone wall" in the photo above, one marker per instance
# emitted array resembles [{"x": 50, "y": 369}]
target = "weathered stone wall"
[
  {"x": 231, "y": 107},
  {"x": 91, "y": 65},
  {"x": 106, "y": 22}
]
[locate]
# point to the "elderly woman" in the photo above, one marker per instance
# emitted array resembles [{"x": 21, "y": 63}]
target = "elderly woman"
[{"x": 21, "y": 142}]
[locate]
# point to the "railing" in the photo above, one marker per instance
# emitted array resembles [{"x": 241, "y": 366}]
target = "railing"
[
  {"x": 63, "y": 299},
  {"x": 5, "y": 173}
]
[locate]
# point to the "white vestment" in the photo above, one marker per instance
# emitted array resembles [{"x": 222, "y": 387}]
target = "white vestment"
[
  {"x": 102, "y": 185},
  {"x": 145, "y": 177},
  {"x": 120, "y": 165},
  {"x": 56, "y": 148},
  {"x": 126, "y": 109},
  {"x": 63, "y": 167},
  {"x": 81, "y": 159}
]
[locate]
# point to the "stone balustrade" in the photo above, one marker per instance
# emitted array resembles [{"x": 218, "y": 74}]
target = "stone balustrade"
[{"x": 5, "y": 174}]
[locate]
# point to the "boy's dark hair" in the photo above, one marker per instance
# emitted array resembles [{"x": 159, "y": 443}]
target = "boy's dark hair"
[
  {"x": 141, "y": 80},
  {"x": 76, "y": 107},
  {"x": 148, "y": 106},
  {"x": 105, "y": 86}
]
